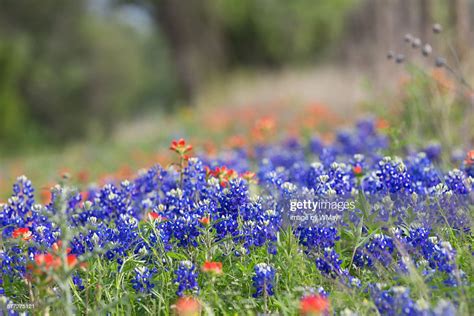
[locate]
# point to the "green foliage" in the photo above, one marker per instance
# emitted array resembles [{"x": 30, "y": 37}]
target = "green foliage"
[
  {"x": 432, "y": 107},
  {"x": 12, "y": 108},
  {"x": 278, "y": 31},
  {"x": 67, "y": 73}
]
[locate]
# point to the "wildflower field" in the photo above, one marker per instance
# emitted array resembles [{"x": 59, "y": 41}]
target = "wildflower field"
[
  {"x": 267, "y": 214},
  {"x": 213, "y": 234}
]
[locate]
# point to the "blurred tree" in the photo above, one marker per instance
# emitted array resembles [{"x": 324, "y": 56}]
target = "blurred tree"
[
  {"x": 460, "y": 16},
  {"x": 380, "y": 25},
  {"x": 275, "y": 32},
  {"x": 12, "y": 108},
  {"x": 66, "y": 72},
  {"x": 207, "y": 36},
  {"x": 426, "y": 19},
  {"x": 194, "y": 36}
]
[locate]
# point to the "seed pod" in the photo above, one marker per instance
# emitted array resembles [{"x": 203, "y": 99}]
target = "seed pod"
[
  {"x": 440, "y": 62},
  {"x": 400, "y": 58},
  {"x": 390, "y": 54},
  {"x": 437, "y": 28},
  {"x": 427, "y": 49},
  {"x": 416, "y": 43}
]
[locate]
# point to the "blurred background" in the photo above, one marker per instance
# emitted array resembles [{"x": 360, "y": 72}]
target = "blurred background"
[{"x": 78, "y": 73}]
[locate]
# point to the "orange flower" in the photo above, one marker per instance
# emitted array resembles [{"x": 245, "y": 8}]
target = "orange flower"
[
  {"x": 248, "y": 175},
  {"x": 357, "y": 170},
  {"x": 206, "y": 220},
  {"x": 83, "y": 176},
  {"x": 48, "y": 261},
  {"x": 212, "y": 267},
  {"x": 51, "y": 261},
  {"x": 84, "y": 196},
  {"x": 156, "y": 216},
  {"x": 210, "y": 148},
  {"x": 46, "y": 196},
  {"x": 236, "y": 141},
  {"x": 58, "y": 245},
  {"x": 223, "y": 174},
  {"x": 71, "y": 260},
  {"x": 382, "y": 124},
  {"x": 470, "y": 158},
  {"x": 180, "y": 147},
  {"x": 313, "y": 305},
  {"x": 23, "y": 232},
  {"x": 264, "y": 127},
  {"x": 65, "y": 173},
  {"x": 442, "y": 81},
  {"x": 187, "y": 306}
]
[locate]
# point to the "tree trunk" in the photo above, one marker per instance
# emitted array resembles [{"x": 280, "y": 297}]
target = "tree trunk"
[
  {"x": 425, "y": 8},
  {"x": 460, "y": 18},
  {"x": 195, "y": 40}
]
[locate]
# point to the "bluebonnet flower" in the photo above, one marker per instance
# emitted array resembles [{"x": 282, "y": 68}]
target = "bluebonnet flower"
[
  {"x": 457, "y": 182},
  {"x": 444, "y": 308},
  {"x": 433, "y": 151},
  {"x": 316, "y": 145},
  {"x": 259, "y": 227},
  {"x": 329, "y": 263},
  {"x": 263, "y": 279},
  {"x": 77, "y": 280},
  {"x": 185, "y": 229},
  {"x": 186, "y": 278},
  {"x": 469, "y": 164},
  {"x": 378, "y": 249},
  {"x": 194, "y": 177},
  {"x": 394, "y": 175},
  {"x": 328, "y": 156},
  {"x": 395, "y": 301},
  {"x": 142, "y": 281},
  {"x": 317, "y": 238},
  {"x": 2, "y": 290},
  {"x": 423, "y": 174}
]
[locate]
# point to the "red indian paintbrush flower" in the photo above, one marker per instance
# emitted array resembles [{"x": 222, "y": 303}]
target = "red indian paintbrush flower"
[
  {"x": 223, "y": 174},
  {"x": 236, "y": 142},
  {"x": 313, "y": 305},
  {"x": 357, "y": 170},
  {"x": 23, "y": 232},
  {"x": 52, "y": 260},
  {"x": 49, "y": 261},
  {"x": 187, "y": 306},
  {"x": 180, "y": 147},
  {"x": 382, "y": 124},
  {"x": 470, "y": 158},
  {"x": 156, "y": 216},
  {"x": 212, "y": 267},
  {"x": 58, "y": 245},
  {"x": 263, "y": 128},
  {"x": 248, "y": 175},
  {"x": 206, "y": 220}
]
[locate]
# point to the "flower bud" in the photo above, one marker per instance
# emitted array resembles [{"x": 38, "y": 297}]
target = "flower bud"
[
  {"x": 427, "y": 49},
  {"x": 440, "y": 62},
  {"x": 416, "y": 43},
  {"x": 400, "y": 58},
  {"x": 437, "y": 28}
]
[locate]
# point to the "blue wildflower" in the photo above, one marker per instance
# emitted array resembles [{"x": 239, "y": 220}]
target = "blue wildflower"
[{"x": 263, "y": 279}]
